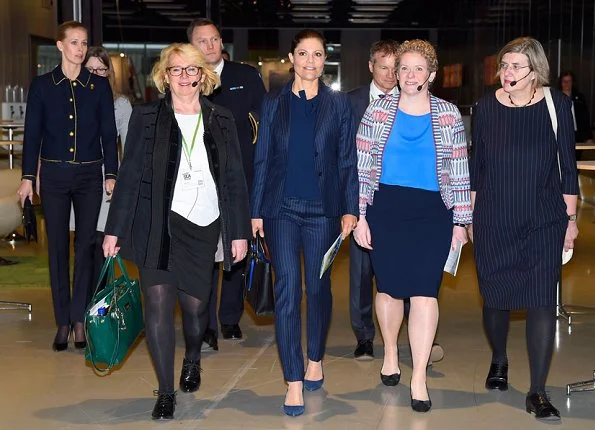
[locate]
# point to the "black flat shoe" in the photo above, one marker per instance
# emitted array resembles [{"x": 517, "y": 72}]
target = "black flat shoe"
[
  {"x": 61, "y": 339},
  {"x": 364, "y": 350},
  {"x": 497, "y": 377},
  {"x": 164, "y": 406},
  {"x": 540, "y": 405},
  {"x": 390, "y": 380},
  {"x": 190, "y": 377},
  {"x": 231, "y": 332}
]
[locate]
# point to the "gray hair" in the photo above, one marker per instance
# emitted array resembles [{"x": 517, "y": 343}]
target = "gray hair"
[{"x": 535, "y": 54}]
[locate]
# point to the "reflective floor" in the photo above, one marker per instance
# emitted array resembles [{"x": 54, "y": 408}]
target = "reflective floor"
[{"x": 242, "y": 384}]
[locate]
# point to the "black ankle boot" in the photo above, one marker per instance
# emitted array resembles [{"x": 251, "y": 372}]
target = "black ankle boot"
[
  {"x": 190, "y": 377},
  {"x": 540, "y": 405},
  {"x": 498, "y": 377},
  {"x": 164, "y": 406}
]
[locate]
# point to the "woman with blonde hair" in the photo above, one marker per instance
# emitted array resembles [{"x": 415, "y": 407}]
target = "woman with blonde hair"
[
  {"x": 524, "y": 191},
  {"x": 181, "y": 186},
  {"x": 414, "y": 206}
]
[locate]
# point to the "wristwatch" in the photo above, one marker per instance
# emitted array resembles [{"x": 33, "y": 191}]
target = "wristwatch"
[{"x": 572, "y": 217}]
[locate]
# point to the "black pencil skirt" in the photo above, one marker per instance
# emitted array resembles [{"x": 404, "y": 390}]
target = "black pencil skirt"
[
  {"x": 411, "y": 235},
  {"x": 191, "y": 259}
]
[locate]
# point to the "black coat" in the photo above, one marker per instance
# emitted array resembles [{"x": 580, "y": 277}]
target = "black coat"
[
  {"x": 139, "y": 211},
  {"x": 241, "y": 91},
  {"x": 581, "y": 114},
  {"x": 360, "y": 99}
]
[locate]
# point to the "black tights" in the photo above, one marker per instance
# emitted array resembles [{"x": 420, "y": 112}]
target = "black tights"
[
  {"x": 160, "y": 302},
  {"x": 540, "y": 332}
]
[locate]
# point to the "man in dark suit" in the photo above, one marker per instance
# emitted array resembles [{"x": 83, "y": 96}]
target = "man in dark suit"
[
  {"x": 382, "y": 65},
  {"x": 241, "y": 91}
]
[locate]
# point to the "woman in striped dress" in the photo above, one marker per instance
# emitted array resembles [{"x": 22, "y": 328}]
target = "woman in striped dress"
[{"x": 524, "y": 188}]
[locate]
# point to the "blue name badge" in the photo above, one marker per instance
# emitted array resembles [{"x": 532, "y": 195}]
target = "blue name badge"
[{"x": 241, "y": 87}]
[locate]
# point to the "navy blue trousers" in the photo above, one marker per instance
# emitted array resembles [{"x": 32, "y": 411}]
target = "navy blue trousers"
[
  {"x": 231, "y": 305},
  {"x": 361, "y": 292},
  {"x": 300, "y": 226},
  {"x": 79, "y": 186}
]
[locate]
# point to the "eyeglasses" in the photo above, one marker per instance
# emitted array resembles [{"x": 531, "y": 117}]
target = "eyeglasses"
[
  {"x": 177, "y": 71},
  {"x": 98, "y": 71},
  {"x": 515, "y": 67}
]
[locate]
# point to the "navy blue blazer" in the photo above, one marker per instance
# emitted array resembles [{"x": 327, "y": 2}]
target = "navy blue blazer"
[
  {"x": 70, "y": 122},
  {"x": 241, "y": 92},
  {"x": 360, "y": 99},
  {"x": 334, "y": 146}
]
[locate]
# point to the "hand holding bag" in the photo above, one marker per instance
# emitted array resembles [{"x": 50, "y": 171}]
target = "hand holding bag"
[
  {"x": 258, "y": 278},
  {"x": 114, "y": 318}
]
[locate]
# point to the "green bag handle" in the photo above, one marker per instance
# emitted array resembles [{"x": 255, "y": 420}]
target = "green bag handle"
[{"x": 108, "y": 268}]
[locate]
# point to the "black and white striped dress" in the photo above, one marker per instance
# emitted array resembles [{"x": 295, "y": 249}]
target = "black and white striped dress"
[{"x": 520, "y": 219}]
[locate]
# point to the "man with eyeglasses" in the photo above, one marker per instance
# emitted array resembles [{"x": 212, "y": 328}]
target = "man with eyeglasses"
[{"x": 241, "y": 91}]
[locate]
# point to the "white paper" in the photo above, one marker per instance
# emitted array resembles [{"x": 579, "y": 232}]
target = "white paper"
[
  {"x": 566, "y": 256},
  {"x": 452, "y": 262},
  {"x": 329, "y": 256},
  {"x": 100, "y": 304}
]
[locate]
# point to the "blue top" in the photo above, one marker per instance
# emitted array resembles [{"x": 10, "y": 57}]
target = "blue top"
[
  {"x": 301, "y": 180},
  {"x": 409, "y": 157}
]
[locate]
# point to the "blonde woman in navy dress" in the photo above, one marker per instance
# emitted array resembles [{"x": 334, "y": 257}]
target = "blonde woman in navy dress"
[
  {"x": 524, "y": 211},
  {"x": 414, "y": 206}
]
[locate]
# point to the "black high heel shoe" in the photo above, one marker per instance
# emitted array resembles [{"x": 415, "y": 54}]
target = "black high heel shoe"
[
  {"x": 390, "y": 380},
  {"x": 421, "y": 405},
  {"x": 61, "y": 339},
  {"x": 79, "y": 327}
]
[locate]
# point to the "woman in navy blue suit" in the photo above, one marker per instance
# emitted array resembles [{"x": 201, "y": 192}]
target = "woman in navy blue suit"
[{"x": 305, "y": 193}]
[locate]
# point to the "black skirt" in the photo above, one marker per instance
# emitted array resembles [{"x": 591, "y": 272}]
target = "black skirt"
[
  {"x": 411, "y": 233},
  {"x": 191, "y": 258}
]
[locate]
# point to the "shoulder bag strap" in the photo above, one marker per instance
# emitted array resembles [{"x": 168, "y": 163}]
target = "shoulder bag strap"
[{"x": 554, "y": 118}]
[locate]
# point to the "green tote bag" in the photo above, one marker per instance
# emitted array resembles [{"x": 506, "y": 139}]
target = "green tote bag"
[{"x": 114, "y": 318}]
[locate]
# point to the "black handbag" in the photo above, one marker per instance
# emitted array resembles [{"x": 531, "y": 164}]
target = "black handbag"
[
  {"x": 258, "y": 279},
  {"x": 29, "y": 221}
]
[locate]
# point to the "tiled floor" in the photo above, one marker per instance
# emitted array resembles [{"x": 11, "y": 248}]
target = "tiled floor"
[{"x": 242, "y": 384}]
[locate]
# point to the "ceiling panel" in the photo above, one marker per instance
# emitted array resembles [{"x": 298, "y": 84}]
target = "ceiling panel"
[{"x": 159, "y": 17}]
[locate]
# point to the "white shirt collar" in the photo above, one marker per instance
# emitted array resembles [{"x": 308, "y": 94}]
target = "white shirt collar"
[
  {"x": 375, "y": 92},
  {"x": 219, "y": 67}
]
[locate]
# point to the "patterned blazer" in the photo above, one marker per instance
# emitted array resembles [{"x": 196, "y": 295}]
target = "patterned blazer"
[{"x": 452, "y": 167}]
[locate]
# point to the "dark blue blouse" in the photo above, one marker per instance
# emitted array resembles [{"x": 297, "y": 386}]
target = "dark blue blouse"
[{"x": 301, "y": 180}]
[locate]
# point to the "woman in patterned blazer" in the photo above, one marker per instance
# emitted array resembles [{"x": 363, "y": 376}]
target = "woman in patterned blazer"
[{"x": 414, "y": 203}]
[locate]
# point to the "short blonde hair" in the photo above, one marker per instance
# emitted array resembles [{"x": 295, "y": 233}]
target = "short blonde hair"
[
  {"x": 421, "y": 47},
  {"x": 535, "y": 54},
  {"x": 209, "y": 80}
]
